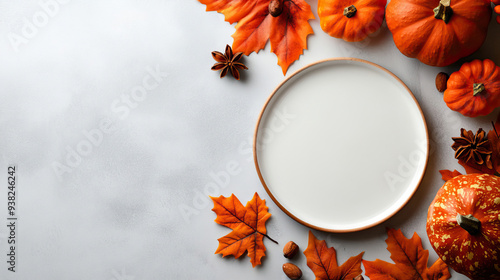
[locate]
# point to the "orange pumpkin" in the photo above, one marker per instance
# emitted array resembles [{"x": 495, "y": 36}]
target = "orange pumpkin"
[
  {"x": 474, "y": 90},
  {"x": 497, "y": 9},
  {"x": 438, "y": 33},
  {"x": 463, "y": 225},
  {"x": 351, "y": 20}
]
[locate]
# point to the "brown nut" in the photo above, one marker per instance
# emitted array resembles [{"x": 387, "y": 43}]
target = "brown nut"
[
  {"x": 290, "y": 250},
  {"x": 441, "y": 80},
  {"x": 292, "y": 271},
  {"x": 275, "y": 7}
]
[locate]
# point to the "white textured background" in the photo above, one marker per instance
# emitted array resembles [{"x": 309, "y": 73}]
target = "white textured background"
[{"x": 115, "y": 214}]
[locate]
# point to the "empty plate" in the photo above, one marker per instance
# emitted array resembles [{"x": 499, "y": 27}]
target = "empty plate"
[{"x": 341, "y": 145}]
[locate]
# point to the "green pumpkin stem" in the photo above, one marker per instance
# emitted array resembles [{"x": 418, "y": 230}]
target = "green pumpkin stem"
[
  {"x": 350, "y": 11},
  {"x": 468, "y": 222},
  {"x": 443, "y": 11},
  {"x": 478, "y": 88}
]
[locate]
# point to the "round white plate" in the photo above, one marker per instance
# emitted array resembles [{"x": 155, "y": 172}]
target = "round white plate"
[{"x": 341, "y": 145}]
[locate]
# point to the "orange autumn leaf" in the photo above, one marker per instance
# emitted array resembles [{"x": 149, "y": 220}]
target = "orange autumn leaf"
[
  {"x": 493, "y": 138},
  {"x": 287, "y": 32},
  {"x": 248, "y": 224},
  {"x": 495, "y": 147},
  {"x": 472, "y": 168},
  {"x": 447, "y": 174},
  {"x": 323, "y": 261},
  {"x": 410, "y": 261}
]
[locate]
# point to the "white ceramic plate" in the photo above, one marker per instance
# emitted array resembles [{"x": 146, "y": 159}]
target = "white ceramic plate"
[{"x": 341, "y": 145}]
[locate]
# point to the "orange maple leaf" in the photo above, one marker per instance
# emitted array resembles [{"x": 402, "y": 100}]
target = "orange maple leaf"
[
  {"x": 287, "y": 32},
  {"x": 323, "y": 261},
  {"x": 248, "y": 224},
  {"x": 494, "y": 138},
  {"x": 447, "y": 174},
  {"x": 472, "y": 167},
  {"x": 410, "y": 261}
]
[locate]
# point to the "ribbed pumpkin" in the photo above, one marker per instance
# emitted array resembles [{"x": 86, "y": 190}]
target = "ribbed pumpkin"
[
  {"x": 351, "y": 20},
  {"x": 463, "y": 225},
  {"x": 438, "y": 33},
  {"x": 474, "y": 90}
]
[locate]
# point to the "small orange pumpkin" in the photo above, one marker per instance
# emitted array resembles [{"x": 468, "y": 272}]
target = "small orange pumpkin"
[
  {"x": 351, "y": 20},
  {"x": 438, "y": 33},
  {"x": 463, "y": 225},
  {"x": 497, "y": 9},
  {"x": 474, "y": 90}
]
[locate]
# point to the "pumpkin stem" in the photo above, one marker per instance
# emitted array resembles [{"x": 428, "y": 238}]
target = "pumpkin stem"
[
  {"x": 468, "y": 222},
  {"x": 350, "y": 11},
  {"x": 478, "y": 88},
  {"x": 443, "y": 11}
]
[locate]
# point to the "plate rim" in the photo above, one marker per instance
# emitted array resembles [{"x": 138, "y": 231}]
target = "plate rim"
[{"x": 273, "y": 93}]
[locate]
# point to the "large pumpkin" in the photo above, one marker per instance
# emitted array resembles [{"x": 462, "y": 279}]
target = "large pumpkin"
[
  {"x": 438, "y": 33},
  {"x": 474, "y": 90},
  {"x": 463, "y": 225},
  {"x": 351, "y": 20}
]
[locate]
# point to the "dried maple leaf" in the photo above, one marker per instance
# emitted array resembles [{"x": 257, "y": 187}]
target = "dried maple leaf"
[
  {"x": 447, "y": 174},
  {"x": 287, "y": 32},
  {"x": 248, "y": 224},
  {"x": 471, "y": 168},
  {"x": 323, "y": 261},
  {"x": 410, "y": 261},
  {"x": 494, "y": 138}
]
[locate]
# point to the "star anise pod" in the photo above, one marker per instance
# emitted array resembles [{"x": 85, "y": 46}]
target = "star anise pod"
[
  {"x": 473, "y": 147},
  {"x": 228, "y": 62}
]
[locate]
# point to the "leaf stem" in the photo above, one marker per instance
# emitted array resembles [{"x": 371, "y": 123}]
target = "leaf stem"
[
  {"x": 270, "y": 238},
  {"x": 495, "y": 129}
]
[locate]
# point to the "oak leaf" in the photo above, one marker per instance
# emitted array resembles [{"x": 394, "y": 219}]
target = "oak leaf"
[
  {"x": 248, "y": 224},
  {"x": 410, "y": 261},
  {"x": 323, "y": 261},
  {"x": 287, "y": 32}
]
